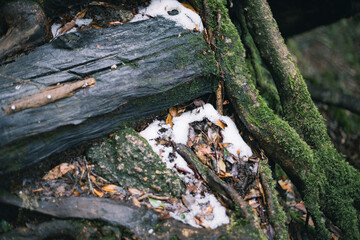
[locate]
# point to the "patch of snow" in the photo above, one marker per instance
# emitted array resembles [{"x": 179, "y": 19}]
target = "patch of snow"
[
  {"x": 230, "y": 132},
  {"x": 198, "y": 207},
  {"x": 158, "y": 129},
  {"x": 83, "y": 22},
  {"x": 172, "y": 10},
  {"x": 56, "y": 27},
  {"x": 203, "y": 206}
]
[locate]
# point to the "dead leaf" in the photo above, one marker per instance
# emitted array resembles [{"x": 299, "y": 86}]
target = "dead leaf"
[
  {"x": 262, "y": 193},
  {"x": 169, "y": 119},
  {"x": 58, "y": 171},
  {"x": 254, "y": 203},
  {"x": 67, "y": 27},
  {"x": 220, "y": 124},
  {"x": 285, "y": 185},
  {"x": 173, "y": 111},
  {"x": 135, "y": 191},
  {"x": 221, "y": 166},
  {"x": 38, "y": 190},
  {"x": 76, "y": 193},
  {"x": 93, "y": 178},
  {"x": 136, "y": 202},
  {"x": 311, "y": 223},
  {"x": 81, "y": 14},
  {"x": 111, "y": 188},
  {"x": 209, "y": 209},
  {"x": 116, "y": 23},
  {"x": 223, "y": 175},
  {"x": 98, "y": 193},
  {"x": 253, "y": 193},
  {"x": 334, "y": 237},
  {"x": 301, "y": 207}
]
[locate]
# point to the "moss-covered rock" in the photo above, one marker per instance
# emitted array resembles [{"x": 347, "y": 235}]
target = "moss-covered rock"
[{"x": 127, "y": 159}]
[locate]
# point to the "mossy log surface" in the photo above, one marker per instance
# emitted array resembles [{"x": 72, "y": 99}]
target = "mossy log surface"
[
  {"x": 139, "y": 69},
  {"x": 127, "y": 159}
]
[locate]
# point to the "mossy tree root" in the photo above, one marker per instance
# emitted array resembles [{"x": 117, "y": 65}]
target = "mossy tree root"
[
  {"x": 339, "y": 188},
  {"x": 263, "y": 83},
  {"x": 284, "y": 141}
]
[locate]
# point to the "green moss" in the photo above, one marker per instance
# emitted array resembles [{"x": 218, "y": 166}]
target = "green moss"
[
  {"x": 277, "y": 218},
  {"x": 127, "y": 159}
]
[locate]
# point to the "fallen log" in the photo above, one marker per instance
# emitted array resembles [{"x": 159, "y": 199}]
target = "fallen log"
[
  {"x": 137, "y": 69},
  {"x": 144, "y": 223}
]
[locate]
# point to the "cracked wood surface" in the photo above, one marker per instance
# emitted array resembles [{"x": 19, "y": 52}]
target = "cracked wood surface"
[{"x": 140, "y": 69}]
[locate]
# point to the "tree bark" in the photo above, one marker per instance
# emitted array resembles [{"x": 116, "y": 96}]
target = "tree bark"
[
  {"x": 300, "y": 144},
  {"x": 84, "y": 85}
]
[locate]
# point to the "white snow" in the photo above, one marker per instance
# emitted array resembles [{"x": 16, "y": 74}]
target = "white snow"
[
  {"x": 204, "y": 206},
  {"x": 185, "y": 18},
  {"x": 230, "y": 133},
  {"x": 152, "y": 132},
  {"x": 56, "y": 27}
]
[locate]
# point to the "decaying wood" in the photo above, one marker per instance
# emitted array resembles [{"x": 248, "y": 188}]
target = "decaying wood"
[
  {"x": 54, "y": 229},
  {"x": 140, "y": 69},
  {"x": 48, "y": 95},
  {"x": 144, "y": 223}
]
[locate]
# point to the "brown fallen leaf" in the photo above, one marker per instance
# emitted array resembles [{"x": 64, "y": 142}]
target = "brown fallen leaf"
[
  {"x": 135, "y": 191},
  {"x": 76, "y": 193},
  {"x": 334, "y": 237},
  {"x": 81, "y": 14},
  {"x": 38, "y": 190},
  {"x": 169, "y": 119},
  {"x": 173, "y": 111},
  {"x": 285, "y": 185},
  {"x": 301, "y": 207},
  {"x": 116, "y": 23},
  {"x": 111, "y": 188},
  {"x": 311, "y": 223},
  {"x": 136, "y": 202},
  {"x": 58, "y": 171},
  {"x": 220, "y": 124},
  {"x": 98, "y": 193},
  {"x": 221, "y": 166},
  {"x": 67, "y": 27},
  {"x": 253, "y": 193},
  {"x": 197, "y": 27},
  {"x": 93, "y": 179}
]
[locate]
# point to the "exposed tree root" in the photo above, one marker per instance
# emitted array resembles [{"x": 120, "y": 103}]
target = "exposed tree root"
[{"x": 300, "y": 144}]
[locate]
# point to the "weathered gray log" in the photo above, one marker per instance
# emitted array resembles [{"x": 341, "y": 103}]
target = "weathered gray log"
[
  {"x": 157, "y": 65},
  {"x": 144, "y": 223}
]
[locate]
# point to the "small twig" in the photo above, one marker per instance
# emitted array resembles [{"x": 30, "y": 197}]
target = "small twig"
[
  {"x": 153, "y": 196},
  {"x": 227, "y": 192},
  {"x": 88, "y": 176}
]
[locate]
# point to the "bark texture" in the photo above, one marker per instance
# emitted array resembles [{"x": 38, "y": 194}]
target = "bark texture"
[
  {"x": 338, "y": 182},
  {"x": 137, "y": 69},
  {"x": 297, "y": 140}
]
